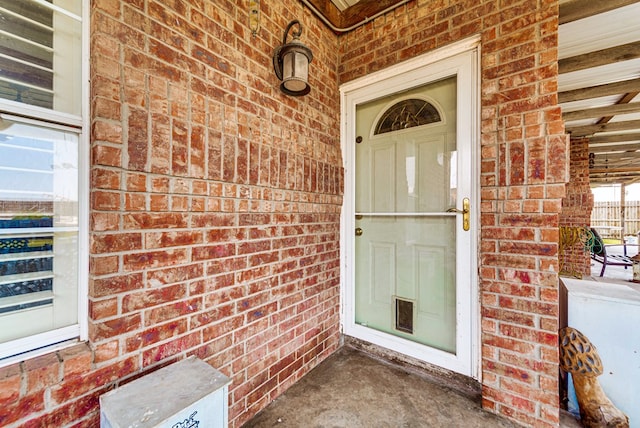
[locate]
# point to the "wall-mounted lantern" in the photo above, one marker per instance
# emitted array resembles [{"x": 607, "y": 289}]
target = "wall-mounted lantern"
[{"x": 291, "y": 63}]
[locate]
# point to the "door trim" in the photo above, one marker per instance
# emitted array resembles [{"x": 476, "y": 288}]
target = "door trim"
[{"x": 460, "y": 58}]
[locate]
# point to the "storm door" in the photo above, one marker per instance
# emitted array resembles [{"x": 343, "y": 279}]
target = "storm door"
[{"x": 411, "y": 214}]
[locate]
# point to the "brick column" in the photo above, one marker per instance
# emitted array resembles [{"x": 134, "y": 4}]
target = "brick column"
[{"x": 576, "y": 209}]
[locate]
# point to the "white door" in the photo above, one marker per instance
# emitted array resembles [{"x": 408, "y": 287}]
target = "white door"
[{"x": 409, "y": 221}]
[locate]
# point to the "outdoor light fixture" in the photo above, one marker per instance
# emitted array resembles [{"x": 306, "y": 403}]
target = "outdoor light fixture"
[{"x": 291, "y": 63}]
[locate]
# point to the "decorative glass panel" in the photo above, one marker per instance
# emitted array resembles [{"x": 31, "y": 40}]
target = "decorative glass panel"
[{"x": 407, "y": 114}]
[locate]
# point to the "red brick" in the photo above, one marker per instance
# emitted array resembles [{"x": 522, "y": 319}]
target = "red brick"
[
  {"x": 518, "y": 318},
  {"x": 219, "y": 312},
  {"x": 115, "y": 284},
  {"x": 21, "y": 409},
  {"x": 214, "y": 251},
  {"x": 249, "y": 385},
  {"x": 10, "y": 381},
  {"x": 513, "y": 401},
  {"x": 549, "y": 324},
  {"x": 261, "y": 364},
  {"x": 99, "y": 309},
  {"x": 529, "y": 248},
  {"x": 152, "y": 297},
  {"x": 78, "y": 385},
  {"x": 102, "y": 330},
  {"x": 105, "y": 179},
  {"x": 172, "y": 310},
  {"x": 153, "y": 259},
  {"x": 534, "y": 364},
  {"x": 76, "y": 360},
  {"x": 82, "y": 410},
  {"x": 156, "y": 334},
  {"x": 106, "y": 155},
  {"x": 101, "y": 222},
  {"x": 105, "y": 201},
  {"x": 106, "y": 351},
  {"x": 530, "y": 335},
  {"x": 171, "y": 348},
  {"x": 549, "y": 384},
  {"x": 107, "y": 87},
  {"x": 155, "y": 221},
  {"x": 261, "y": 392},
  {"x": 103, "y": 265},
  {"x": 158, "y": 202},
  {"x": 115, "y": 242},
  {"x": 214, "y": 347},
  {"x": 212, "y": 331},
  {"x": 136, "y": 182},
  {"x": 42, "y": 372},
  {"x": 135, "y": 202}
]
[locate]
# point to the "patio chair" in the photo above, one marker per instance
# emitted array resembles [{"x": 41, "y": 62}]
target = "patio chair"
[{"x": 607, "y": 255}]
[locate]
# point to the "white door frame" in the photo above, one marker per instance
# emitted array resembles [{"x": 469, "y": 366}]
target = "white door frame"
[{"x": 460, "y": 58}]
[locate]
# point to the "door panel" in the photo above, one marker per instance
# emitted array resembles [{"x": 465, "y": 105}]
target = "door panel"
[
  {"x": 381, "y": 191},
  {"x": 382, "y": 268},
  {"x": 412, "y": 259},
  {"x": 405, "y": 257}
]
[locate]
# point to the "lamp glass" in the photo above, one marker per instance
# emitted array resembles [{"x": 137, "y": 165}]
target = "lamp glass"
[{"x": 295, "y": 71}]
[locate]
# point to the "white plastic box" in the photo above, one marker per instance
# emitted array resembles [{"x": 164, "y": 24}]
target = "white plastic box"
[
  {"x": 186, "y": 394},
  {"x": 609, "y": 315}
]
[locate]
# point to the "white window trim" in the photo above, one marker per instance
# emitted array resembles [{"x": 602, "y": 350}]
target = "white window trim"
[
  {"x": 84, "y": 154},
  {"x": 53, "y": 340}
]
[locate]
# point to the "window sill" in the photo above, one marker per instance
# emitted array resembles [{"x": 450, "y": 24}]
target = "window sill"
[{"x": 30, "y": 355}]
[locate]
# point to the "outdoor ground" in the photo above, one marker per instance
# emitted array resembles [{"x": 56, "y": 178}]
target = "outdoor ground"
[{"x": 352, "y": 389}]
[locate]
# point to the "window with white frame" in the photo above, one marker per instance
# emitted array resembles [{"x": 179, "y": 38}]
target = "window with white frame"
[{"x": 43, "y": 180}]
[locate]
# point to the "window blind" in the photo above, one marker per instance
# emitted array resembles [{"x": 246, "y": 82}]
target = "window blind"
[
  {"x": 26, "y": 223},
  {"x": 26, "y": 53}
]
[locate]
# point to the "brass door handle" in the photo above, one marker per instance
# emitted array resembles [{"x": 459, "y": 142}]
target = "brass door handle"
[
  {"x": 358, "y": 231},
  {"x": 465, "y": 211}
]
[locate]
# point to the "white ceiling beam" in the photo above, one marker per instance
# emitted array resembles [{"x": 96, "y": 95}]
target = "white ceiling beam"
[
  {"x": 612, "y": 55},
  {"x": 598, "y": 112},
  {"x": 586, "y": 130},
  {"x": 617, "y": 88},
  {"x": 616, "y": 138},
  {"x": 574, "y": 10},
  {"x": 614, "y": 148}
]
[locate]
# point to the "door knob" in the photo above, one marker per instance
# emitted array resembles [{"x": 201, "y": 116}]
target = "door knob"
[{"x": 358, "y": 231}]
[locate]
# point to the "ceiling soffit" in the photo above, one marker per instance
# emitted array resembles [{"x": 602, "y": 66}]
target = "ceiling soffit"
[
  {"x": 599, "y": 84},
  {"x": 347, "y": 13}
]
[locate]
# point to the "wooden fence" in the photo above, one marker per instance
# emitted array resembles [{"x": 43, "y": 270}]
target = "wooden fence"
[{"x": 606, "y": 217}]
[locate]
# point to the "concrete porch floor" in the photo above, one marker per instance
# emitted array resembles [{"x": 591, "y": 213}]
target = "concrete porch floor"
[{"x": 352, "y": 389}]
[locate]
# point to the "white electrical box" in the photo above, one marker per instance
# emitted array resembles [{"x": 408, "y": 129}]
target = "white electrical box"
[{"x": 186, "y": 394}]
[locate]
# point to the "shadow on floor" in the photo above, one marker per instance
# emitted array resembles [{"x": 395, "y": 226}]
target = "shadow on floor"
[{"x": 351, "y": 389}]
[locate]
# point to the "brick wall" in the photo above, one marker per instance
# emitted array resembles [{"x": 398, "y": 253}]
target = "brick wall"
[
  {"x": 214, "y": 210},
  {"x": 523, "y": 172},
  {"x": 576, "y": 209},
  {"x": 215, "y": 201}
]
